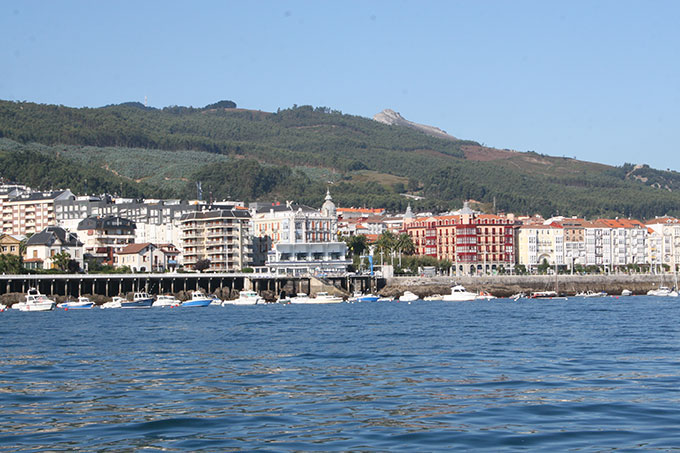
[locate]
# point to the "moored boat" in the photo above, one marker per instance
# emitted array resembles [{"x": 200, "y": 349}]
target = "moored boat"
[
  {"x": 166, "y": 300},
  {"x": 433, "y": 297},
  {"x": 589, "y": 294},
  {"x": 459, "y": 294},
  {"x": 198, "y": 299},
  {"x": 248, "y": 297},
  {"x": 663, "y": 291},
  {"x": 140, "y": 300},
  {"x": 300, "y": 298},
  {"x": 483, "y": 295},
  {"x": 408, "y": 296},
  {"x": 325, "y": 298},
  {"x": 116, "y": 302},
  {"x": 83, "y": 303},
  {"x": 35, "y": 302},
  {"x": 626, "y": 292},
  {"x": 543, "y": 295}
]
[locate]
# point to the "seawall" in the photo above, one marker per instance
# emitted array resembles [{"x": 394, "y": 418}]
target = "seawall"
[{"x": 507, "y": 285}]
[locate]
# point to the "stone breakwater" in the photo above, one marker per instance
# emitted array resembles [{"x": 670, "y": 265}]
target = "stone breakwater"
[{"x": 507, "y": 285}]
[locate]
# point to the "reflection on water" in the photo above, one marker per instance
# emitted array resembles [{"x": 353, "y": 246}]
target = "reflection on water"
[{"x": 432, "y": 376}]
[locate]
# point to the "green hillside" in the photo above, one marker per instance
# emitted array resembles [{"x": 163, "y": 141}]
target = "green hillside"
[{"x": 296, "y": 153}]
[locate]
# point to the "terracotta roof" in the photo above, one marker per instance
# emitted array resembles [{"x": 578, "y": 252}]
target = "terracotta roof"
[{"x": 134, "y": 248}]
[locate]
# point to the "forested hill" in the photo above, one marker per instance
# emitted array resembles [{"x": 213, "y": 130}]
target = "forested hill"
[{"x": 296, "y": 153}]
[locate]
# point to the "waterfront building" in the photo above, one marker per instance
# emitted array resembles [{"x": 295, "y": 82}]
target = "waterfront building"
[
  {"x": 540, "y": 243},
  {"x": 223, "y": 237},
  {"x": 624, "y": 242},
  {"x": 10, "y": 244},
  {"x": 473, "y": 242},
  {"x": 103, "y": 237},
  {"x": 43, "y": 246},
  {"x": 297, "y": 239},
  {"x": 664, "y": 243},
  {"x": 146, "y": 257},
  {"x": 31, "y": 212}
]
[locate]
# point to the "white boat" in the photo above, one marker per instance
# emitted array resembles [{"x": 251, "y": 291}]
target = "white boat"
[
  {"x": 408, "y": 296},
  {"x": 3, "y": 307},
  {"x": 459, "y": 294},
  {"x": 215, "y": 300},
  {"x": 589, "y": 294},
  {"x": 663, "y": 291},
  {"x": 483, "y": 295},
  {"x": 518, "y": 296},
  {"x": 198, "y": 299},
  {"x": 245, "y": 298},
  {"x": 626, "y": 292},
  {"x": 544, "y": 294},
  {"x": 433, "y": 297},
  {"x": 325, "y": 298},
  {"x": 35, "y": 302},
  {"x": 165, "y": 300},
  {"x": 300, "y": 298},
  {"x": 283, "y": 300},
  {"x": 116, "y": 302},
  {"x": 380, "y": 299},
  {"x": 83, "y": 303}
]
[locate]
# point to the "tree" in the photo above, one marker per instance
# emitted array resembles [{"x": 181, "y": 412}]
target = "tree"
[
  {"x": 202, "y": 265},
  {"x": 404, "y": 243},
  {"x": 10, "y": 264},
  {"x": 386, "y": 242},
  {"x": 61, "y": 260},
  {"x": 356, "y": 244}
]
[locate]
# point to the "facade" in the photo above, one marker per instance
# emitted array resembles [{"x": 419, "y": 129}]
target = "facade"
[
  {"x": 474, "y": 243},
  {"x": 103, "y": 237},
  {"x": 140, "y": 258},
  {"x": 663, "y": 246},
  {"x": 10, "y": 245},
  {"x": 298, "y": 240},
  {"x": 221, "y": 236},
  {"x": 41, "y": 248},
  {"x": 31, "y": 212},
  {"x": 539, "y": 243}
]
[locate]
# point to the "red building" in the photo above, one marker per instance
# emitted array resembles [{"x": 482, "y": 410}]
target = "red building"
[{"x": 474, "y": 243}]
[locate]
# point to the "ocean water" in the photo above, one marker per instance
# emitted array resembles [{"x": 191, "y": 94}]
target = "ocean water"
[{"x": 541, "y": 375}]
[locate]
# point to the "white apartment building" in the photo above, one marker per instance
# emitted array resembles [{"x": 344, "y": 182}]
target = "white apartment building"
[
  {"x": 538, "y": 243},
  {"x": 664, "y": 243},
  {"x": 103, "y": 237}
]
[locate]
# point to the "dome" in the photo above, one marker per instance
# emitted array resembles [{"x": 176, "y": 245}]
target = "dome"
[{"x": 328, "y": 207}]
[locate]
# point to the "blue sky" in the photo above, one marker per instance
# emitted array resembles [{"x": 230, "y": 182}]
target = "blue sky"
[{"x": 595, "y": 80}]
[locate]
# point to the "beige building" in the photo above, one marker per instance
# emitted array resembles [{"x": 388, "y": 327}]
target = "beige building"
[
  {"x": 221, "y": 236},
  {"x": 31, "y": 212},
  {"x": 539, "y": 243},
  {"x": 10, "y": 245}
]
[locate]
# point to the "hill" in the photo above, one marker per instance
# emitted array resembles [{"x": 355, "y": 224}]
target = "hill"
[{"x": 295, "y": 153}]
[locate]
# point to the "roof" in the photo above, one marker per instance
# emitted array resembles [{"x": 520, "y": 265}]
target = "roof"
[
  {"x": 220, "y": 213},
  {"x": 285, "y": 208},
  {"x": 52, "y": 234},
  {"x": 99, "y": 223},
  {"x": 133, "y": 249},
  {"x": 35, "y": 196},
  {"x": 662, "y": 220}
]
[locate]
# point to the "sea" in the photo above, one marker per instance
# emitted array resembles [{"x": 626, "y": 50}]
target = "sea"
[{"x": 597, "y": 374}]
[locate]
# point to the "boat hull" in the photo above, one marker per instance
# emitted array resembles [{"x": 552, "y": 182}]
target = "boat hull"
[
  {"x": 197, "y": 303},
  {"x": 141, "y": 303}
]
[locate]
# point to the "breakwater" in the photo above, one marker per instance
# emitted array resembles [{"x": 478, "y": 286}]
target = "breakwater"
[{"x": 507, "y": 285}]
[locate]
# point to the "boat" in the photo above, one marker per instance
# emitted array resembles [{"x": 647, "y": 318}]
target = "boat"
[
  {"x": 483, "y": 295},
  {"x": 215, "y": 300},
  {"x": 83, "y": 303},
  {"x": 35, "y": 302},
  {"x": 368, "y": 298},
  {"x": 139, "y": 300},
  {"x": 518, "y": 296},
  {"x": 385, "y": 299},
  {"x": 433, "y": 297},
  {"x": 3, "y": 307},
  {"x": 166, "y": 300},
  {"x": 300, "y": 298},
  {"x": 663, "y": 291},
  {"x": 589, "y": 294},
  {"x": 543, "y": 295},
  {"x": 247, "y": 298},
  {"x": 198, "y": 299},
  {"x": 408, "y": 296},
  {"x": 116, "y": 302},
  {"x": 626, "y": 292},
  {"x": 325, "y": 298},
  {"x": 283, "y": 300},
  {"x": 459, "y": 294}
]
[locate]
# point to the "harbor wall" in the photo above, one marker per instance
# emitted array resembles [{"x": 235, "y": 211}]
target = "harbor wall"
[{"x": 507, "y": 285}]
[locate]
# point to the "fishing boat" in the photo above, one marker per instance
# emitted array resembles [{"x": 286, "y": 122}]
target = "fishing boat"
[
  {"x": 408, "y": 296},
  {"x": 248, "y": 297},
  {"x": 83, "y": 303},
  {"x": 166, "y": 300},
  {"x": 116, "y": 302},
  {"x": 139, "y": 300},
  {"x": 35, "y": 302},
  {"x": 433, "y": 297},
  {"x": 198, "y": 299},
  {"x": 300, "y": 298},
  {"x": 459, "y": 294}
]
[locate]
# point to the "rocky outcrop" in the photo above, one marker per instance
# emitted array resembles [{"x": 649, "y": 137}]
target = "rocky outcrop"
[{"x": 393, "y": 118}]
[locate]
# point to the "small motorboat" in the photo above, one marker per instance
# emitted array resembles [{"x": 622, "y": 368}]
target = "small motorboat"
[
  {"x": 166, "y": 300},
  {"x": 215, "y": 300},
  {"x": 433, "y": 297},
  {"x": 459, "y": 294},
  {"x": 589, "y": 294},
  {"x": 247, "y": 297},
  {"x": 83, "y": 303},
  {"x": 116, "y": 302},
  {"x": 408, "y": 296},
  {"x": 626, "y": 292},
  {"x": 325, "y": 298},
  {"x": 300, "y": 298},
  {"x": 663, "y": 291},
  {"x": 483, "y": 295},
  {"x": 139, "y": 300},
  {"x": 198, "y": 299},
  {"x": 385, "y": 299},
  {"x": 35, "y": 302},
  {"x": 518, "y": 296}
]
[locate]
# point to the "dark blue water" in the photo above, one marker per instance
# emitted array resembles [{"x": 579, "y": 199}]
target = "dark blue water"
[{"x": 595, "y": 374}]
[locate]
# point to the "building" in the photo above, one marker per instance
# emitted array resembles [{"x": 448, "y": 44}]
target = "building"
[
  {"x": 103, "y": 237},
  {"x": 540, "y": 243},
  {"x": 10, "y": 245},
  {"x": 222, "y": 237},
  {"x": 664, "y": 243},
  {"x": 43, "y": 246},
  {"x": 298, "y": 240},
  {"x": 474, "y": 243},
  {"x": 140, "y": 258},
  {"x": 31, "y": 212}
]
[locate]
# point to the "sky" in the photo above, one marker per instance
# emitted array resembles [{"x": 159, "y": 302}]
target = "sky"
[{"x": 594, "y": 80}]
